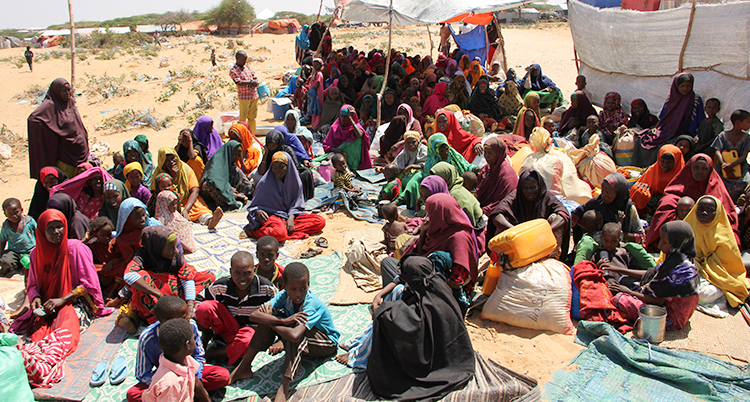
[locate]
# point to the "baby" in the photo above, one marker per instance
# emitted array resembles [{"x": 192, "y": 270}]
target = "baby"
[
  {"x": 393, "y": 228},
  {"x": 342, "y": 178},
  {"x": 470, "y": 181},
  {"x": 392, "y": 188},
  {"x": 592, "y": 222},
  {"x": 17, "y": 233},
  {"x": 684, "y": 205}
]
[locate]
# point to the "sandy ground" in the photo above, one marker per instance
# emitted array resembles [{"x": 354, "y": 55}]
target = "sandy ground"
[{"x": 535, "y": 353}]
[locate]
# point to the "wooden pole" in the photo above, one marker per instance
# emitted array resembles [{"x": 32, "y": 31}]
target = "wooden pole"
[
  {"x": 501, "y": 44},
  {"x": 72, "y": 50},
  {"x": 429, "y": 35},
  {"x": 320, "y": 9},
  {"x": 687, "y": 37},
  {"x": 387, "y": 60}
]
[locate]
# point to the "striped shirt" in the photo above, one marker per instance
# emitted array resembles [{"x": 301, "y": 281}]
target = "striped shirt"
[{"x": 223, "y": 291}]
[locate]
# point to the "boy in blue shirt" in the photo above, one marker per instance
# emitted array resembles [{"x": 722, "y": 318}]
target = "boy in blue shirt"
[
  {"x": 300, "y": 319},
  {"x": 17, "y": 233}
]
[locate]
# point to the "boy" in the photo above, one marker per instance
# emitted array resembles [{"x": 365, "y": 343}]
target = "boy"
[
  {"x": 341, "y": 178},
  {"x": 592, "y": 222},
  {"x": 209, "y": 377},
  {"x": 267, "y": 251},
  {"x": 174, "y": 380},
  {"x": 300, "y": 319},
  {"x": 684, "y": 205},
  {"x": 17, "y": 233},
  {"x": 392, "y": 188},
  {"x": 612, "y": 253},
  {"x": 117, "y": 159},
  {"x": 736, "y": 140},
  {"x": 709, "y": 128},
  {"x": 592, "y": 127},
  {"x": 227, "y": 305},
  {"x": 393, "y": 228},
  {"x": 470, "y": 181}
]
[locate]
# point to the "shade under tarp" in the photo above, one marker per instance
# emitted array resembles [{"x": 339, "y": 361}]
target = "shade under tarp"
[{"x": 414, "y": 12}]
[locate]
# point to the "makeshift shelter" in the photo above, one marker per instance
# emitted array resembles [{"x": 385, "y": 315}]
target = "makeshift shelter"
[
  {"x": 415, "y": 12},
  {"x": 281, "y": 26},
  {"x": 265, "y": 14},
  {"x": 473, "y": 43},
  {"x": 638, "y": 53}
]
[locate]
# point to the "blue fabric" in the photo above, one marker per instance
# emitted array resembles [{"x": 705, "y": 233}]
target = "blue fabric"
[
  {"x": 294, "y": 142},
  {"x": 21, "y": 243},
  {"x": 302, "y": 40},
  {"x": 147, "y": 357},
  {"x": 290, "y": 89},
  {"x": 126, "y": 208},
  {"x": 313, "y": 106},
  {"x": 318, "y": 315},
  {"x": 473, "y": 43},
  {"x": 575, "y": 299},
  {"x": 603, "y": 3},
  {"x": 189, "y": 288}
]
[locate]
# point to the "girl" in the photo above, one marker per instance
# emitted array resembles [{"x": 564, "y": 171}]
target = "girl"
[{"x": 133, "y": 175}]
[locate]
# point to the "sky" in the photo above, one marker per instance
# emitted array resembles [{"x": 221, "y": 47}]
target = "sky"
[{"x": 43, "y": 13}]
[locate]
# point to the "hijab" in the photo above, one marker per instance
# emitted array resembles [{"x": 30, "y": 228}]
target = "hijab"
[
  {"x": 647, "y": 120},
  {"x": 277, "y": 137},
  {"x": 348, "y": 93},
  {"x": 198, "y": 147},
  {"x": 454, "y": 158},
  {"x": 412, "y": 124},
  {"x": 78, "y": 223},
  {"x": 339, "y": 134},
  {"x": 181, "y": 183},
  {"x": 436, "y": 100},
  {"x": 251, "y": 154},
  {"x": 106, "y": 209},
  {"x": 302, "y": 40},
  {"x": 677, "y": 276},
  {"x": 373, "y": 108},
  {"x": 435, "y": 184},
  {"x": 141, "y": 139},
  {"x": 656, "y": 178},
  {"x": 207, "y": 135},
  {"x": 126, "y": 208},
  {"x": 610, "y": 121},
  {"x": 484, "y": 103},
  {"x": 50, "y": 261},
  {"x": 583, "y": 111},
  {"x": 406, "y": 158},
  {"x": 175, "y": 221},
  {"x": 41, "y": 194},
  {"x": 276, "y": 197},
  {"x": 460, "y": 139},
  {"x": 129, "y": 168},
  {"x": 331, "y": 106},
  {"x": 150, "y": 255},
  {"x": 293, "y": 142},
  {"x": 678, "y": 112},
  {"x": 495, "y": 182},
  {"x": 147, "y": 168},
  {"x": 621, "y": 203},
  {"x": 474, "y": 76},
  {"x": 75, "y": 186},
  {"x": 510, "y": 101},
  {"x": 455, "y": 182},
  {"x": 218, "y": 170},
  {"x": 393, "y": 134},
  {"x": 387, "y": 112},
  {"x": 450, "y": 229},
  {"x": 541, "y": 81}
]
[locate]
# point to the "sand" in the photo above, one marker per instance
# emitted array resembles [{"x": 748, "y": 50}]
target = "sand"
[{"x": 535, "y": 353}]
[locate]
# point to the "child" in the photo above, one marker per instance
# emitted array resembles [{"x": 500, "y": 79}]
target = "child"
[
  {"x": 612, "y": 254},
  {"x": 470, "y": 181},
  {"x": 300, "y": 319},
  {"x": 736, "y": 140},
  {"x": 341, "y": 178},
  {"x": 228, "y": 304},
  {"x": 709, "y": 128},
  {"x": 267, "y": 251},
  {"x": 149, "y": 352},
  {"x": 174, "y": 380},
  {"x": 98, "y": 239},
  {"x": 133, "y": 174},
  {"x": 684, "y": 205},
  {"x": 548, "y": 122},
  {"x": 393, "y": 228},
  {"x": 117, "y": 159},
  {"x": 592, "y": 127},
  {"x": 392, "y": 188},
  {"x": 592, "y": 222},
  {"x": 574, "y": 134},
  {"x": 17, "y": 233}
]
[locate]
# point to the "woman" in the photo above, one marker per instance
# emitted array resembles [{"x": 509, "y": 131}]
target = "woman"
[
  {"x": 641, "y": 116},
  {"x": 436, "y": 100},
  {"x": 465, "y": 199},
  {"x": 251, "y": 149},
  {"x": 497, "y": 178},
  {"x": 348, "y": 135},
  {"x": 612, "y": 116},
  {"x": 389, "y": 107},
  {"x": 649, "y": 188},
  {"x": 466, "y": 143},
  {"x": 191, "y": 151},
  {"x": 535, "y": 81},
  {"x": 49, "y": 177},
  {"x": 434, "y": 354},
  {"x": 62, "y": 281},
  {"x": 114, "y": 193},
  {"x": 78, "y": 223},
  {"x": 276, "y": 142},
  {"x": 57, "y": 136},
  {"x": 531, "y": 200},
  {"x": 167, "y": 207},
  {"x": 302, "y": 134},
  {"x": 717, "y": 254},
  {"x": 614, "y": 205},
  {"x": 368, "y": 102},
  {"x": 696, "y": 179},
  {"x": 314, "y": 87},
  {"x": 432, "y": 184},
  {"x": 682, "y": 112},
  {"x": 142, "y": 140},
  {"x": 348, "y": 93},
  {"x": 412, "y": 159},
  {"x": 393, "y": 136},
  {"x": 158, "y": 269},
  {"x": 132, "y": 152},
  {"x": 301, "y": 44},
  {"x": 187, "y": 187},
  {"x": 426, "y": 86},
  {"x": 87, "y": 190},
  {"x": 580, "y": 108},
  {"x": 525, "y": 126},
  {"x": 333, "y": 75},
  {"x": 290, "y": 88},
  {"x": 530, "y": 101},
  {"x": 133, "y": 182},
  {"x": 412, "y": 124},
  {"x": 331, "y": 107},
  {"x": 207, "y": 135},
  {"x": 484, "y": 102},
  {"x": 458, "y": 92},
  {"x": 223, "y": 184},
  {"x": 278, "y": 208},
  {"x": 510, "y": 101},
  {"x": 474, "y": 73}
]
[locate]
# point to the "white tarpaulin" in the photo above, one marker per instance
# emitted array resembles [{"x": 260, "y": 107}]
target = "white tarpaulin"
[
  {"x": 637, "y": 53},
  {"x": 416, "y": 12}
]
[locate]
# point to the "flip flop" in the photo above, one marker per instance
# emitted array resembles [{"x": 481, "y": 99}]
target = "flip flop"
[
  {"x": 310, "y": 253},
  {"x": 99, "y": 375},
  {"x": 321, "y": 242},
  {"x": 119, "y": 371}
]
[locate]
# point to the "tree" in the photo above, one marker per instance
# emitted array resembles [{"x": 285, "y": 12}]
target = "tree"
[
  {"x": 232, "y": 13},
  {"x": 171, "y": 19}
]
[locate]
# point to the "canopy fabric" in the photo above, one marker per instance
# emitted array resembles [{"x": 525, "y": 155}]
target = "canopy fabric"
[
  {"x": 414, "y": 12},
  {"x": 472, "y": 18},
  {"x": 474, "y": 43}
]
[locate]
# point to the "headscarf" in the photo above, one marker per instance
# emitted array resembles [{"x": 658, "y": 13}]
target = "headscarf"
[
  {"x": 495, "y": 182},
  {"x": 583, "y": 111},
  {"x": 56, "y": 131},
  {"x": 85, "y": 166},
  {"x": 610, "y": 121},
  {"x": 541, "y": 81},
  {"x": 331, "y": 107},
  {"x": 338, "y": 134},
  {"x": 450, "y": 229},
  {"x": 454, "y": 158},
  {"x": 276, "y": 197},
  {"x": 41, "y": 194},
  {"x": 683, "y": 185},
  {"x": 147, "y": 168},
  {"x": 181, "y": 183},
  {"x": 463, "y": 62},
  {"x": 199, "y": 148},
  {"x": 656, "y": 178},
  {"x": 150, "y": 254},
  {"x": 126, "y": 208},
  {"x": 484, "y": 103},
  {"x": 510, "y": 101},
  {"x": 128, "y": 169},
  {"x": 78, "y": 223},
  {"x": 473, "y": 76},
  {"x": 251, "y": 153},
  {"x": 461, "y": 90},
  {"x": 290, "y": 88},
  {"x": 425, "y": 89},
  {"x": 207, "y": 135},
  {"x": 377, "y": 83},
  {"x": 678, "y": 114},
  {"x": 436, "y": 100},
  {"x": 435, "y": 184},
  {"x": 294, "y": 143},
  {"x": 387, "y": 112},
  {"x": 277, "y": 137},
  {"x": 717, "y": 255},
  {"x": 333, "y": 74},
  {"x": 412, "y": 124},
  {"x": 175, "y": 221},
  {"x": 141, "y": 139},
  {"x": 393, "y": 134},
  {"x": 373, "y": 108},
  {"x": 512, "y": 73},
  {"x": 460, "y": 139},
  {"x": 75, "y": 186},
  {"x": 348, "y": 93},
  {"x": 218, "y": 169},
  {"x": 51, "y": 262},
  {"x": 455, "y": 182},
  {"x": 315, "y": 35},
  {"x": 302, "y": 40},
  {"x": 106, "y": 209},
  {"x": 609, "y": 212},
  {"x": 406, "y": 158},
  {"x": 647, "y": 120}
]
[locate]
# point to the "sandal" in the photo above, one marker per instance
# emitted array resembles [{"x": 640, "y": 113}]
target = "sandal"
[
  {"x": 321, "y": 242},
  {"x": 311, "y": 252}
]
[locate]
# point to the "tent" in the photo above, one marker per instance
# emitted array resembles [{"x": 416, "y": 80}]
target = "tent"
[
  {"x": 265, "y": 14},
  {"x": 473, "y": 43},
  {"x": 282, "y": 26},
  {"x": 638, "y": 53},
  {"x": 415, "y": 12}
]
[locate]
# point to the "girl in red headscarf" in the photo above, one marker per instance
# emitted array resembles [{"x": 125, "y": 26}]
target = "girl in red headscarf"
[{"x": 466, "y": 143}]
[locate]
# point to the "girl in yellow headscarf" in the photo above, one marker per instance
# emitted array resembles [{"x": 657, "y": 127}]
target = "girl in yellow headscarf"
[
  {"x": 133, "y": 173},
  {"x": 530, "y": 101},
  {"x": 251, "y": 149},
  {"x": 474, "y": 72},
  {"x": 717, "y": 255}
]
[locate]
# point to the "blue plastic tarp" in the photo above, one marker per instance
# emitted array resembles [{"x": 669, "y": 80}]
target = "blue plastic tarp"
[
  {"x": 474, "y": 43},
  {"x": 603, "y": 3}
]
